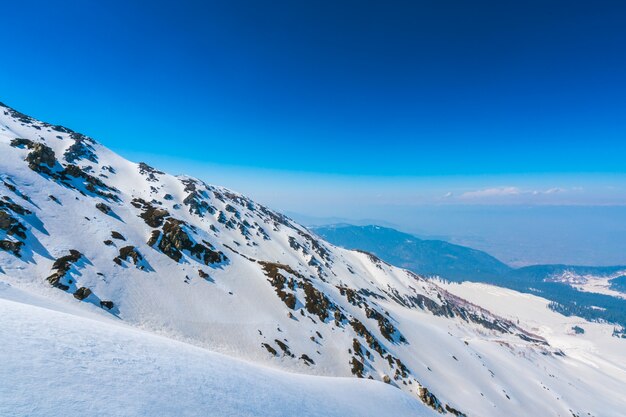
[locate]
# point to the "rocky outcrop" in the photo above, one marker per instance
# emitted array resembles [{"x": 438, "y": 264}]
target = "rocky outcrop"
[
  {"x": 41, "y": 157},
  {"x": 429, "y": 399},
  {"x": 103, "y": 208},
  {"x": 11, "y": 225},
  {"x": 11, "y": 246},
  {"x": 80, "y": 149},
  {"x": 61, "y": 266},
  {"x": 82, "y": 293},
  {"x": 174, "y": 240},
  {"x": 129, "y": 253},
  {"x": 149, "y": 172},
  {"x": 87, "y": 183},
  {"x": 280, "y": 283},
  {"x": 153, "y": 216}
]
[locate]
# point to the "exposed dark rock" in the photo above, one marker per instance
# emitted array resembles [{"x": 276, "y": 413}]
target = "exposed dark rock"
[
  {"x": 362, "y": 331},
  {"x": 150, "y": 172},
  {"x": 357, "y": 348},
  {"x": 154, "y": 237},
  {"x": 10, "y": 186},
  {"x": 82, "y": 293},
  {"x": 62, "y": 265},
  {"x": 315, "y": 245},
  {"x": 62, "y": 129},
  {"x": 22, "y": 143},
  {"x": 279, "y": 281},
  {"x": 128, "y": 252},
  {"x": 307, "y": 359},
  {"x": 80, "y": 149},
  {"x": 356, "y": 367},
  {"x": 21, "y": 117},
  {"x": 7, "y": 203},
  {"x": 270, "y": 349},
  {"x": 402, "y": 371},
  {"x": 11, "y": 225},
  {"x": 196, "y": 201},
  {"x": 294, "y": 244},
  {"x": 352, "y": 295},
  {"x": 106, "y": 304},
  {"x": 108, "y": 242},
  {"x": 454, "y": 411},
  {"x": 386, "y": 328},
  {"x": 284, "y": 347},
  {"x": 316, "y": 301},
  {"x": 153, "y": 216},
  {"x": 103, "y": 208},
  {"x": 117, "y": 235},
  {"x": 231, "y": 209},
  {"x": 429, "y": 399},
  {"x": 41, "y": 158},
  {"x": 109, "y": 169},
  {"x": 175, "y": 239},
  {"x": 89, "y": 182},
  {"x": 12, "y": 247}
]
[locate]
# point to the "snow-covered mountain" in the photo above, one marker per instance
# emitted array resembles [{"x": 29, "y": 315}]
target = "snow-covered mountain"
[
  {"x": 84, "y": 228},
  {"x": 592, "y": 292}
]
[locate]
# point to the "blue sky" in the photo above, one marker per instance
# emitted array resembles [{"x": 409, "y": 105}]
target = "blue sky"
[{"x": 321, "y": 107}]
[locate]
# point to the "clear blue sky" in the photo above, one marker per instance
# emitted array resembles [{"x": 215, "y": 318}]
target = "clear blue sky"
[
  {"x": 344, "y": 87},
  {"x": 354, "y": 109}
]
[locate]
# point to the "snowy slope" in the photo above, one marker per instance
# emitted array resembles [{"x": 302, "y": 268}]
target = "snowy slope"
[
  {"x": 209, "y": 267},
  {"x": 600, "y": 284},
  {"x": 579, "y": 339},
  {"x": 56, "y": 363}
]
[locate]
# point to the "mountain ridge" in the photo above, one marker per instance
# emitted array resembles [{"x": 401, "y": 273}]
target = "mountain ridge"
[
  {"x": 422, "y": 256},
  {"x": 206, "y": 265},
  {"x": 587, "y": 291}
]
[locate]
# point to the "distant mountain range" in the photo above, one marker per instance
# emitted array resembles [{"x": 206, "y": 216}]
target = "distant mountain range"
[
  {"x": 596, "y": 293},
  {"x": 425, "y": 257}
]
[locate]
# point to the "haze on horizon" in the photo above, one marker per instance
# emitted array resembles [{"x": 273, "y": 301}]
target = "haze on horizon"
[{"x": 487, "y": 124}]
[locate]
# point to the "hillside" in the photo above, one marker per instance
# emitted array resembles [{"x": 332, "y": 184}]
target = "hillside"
[
  {"x": 171, "y": 255},
  {"x": 592, "y": 292},
  {"x": 425, "y": 257},
  {"x": 62, "y": 364}
]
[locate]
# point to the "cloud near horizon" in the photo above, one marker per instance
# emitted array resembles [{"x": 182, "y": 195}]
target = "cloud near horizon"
[{"x": 507, "y": 191}]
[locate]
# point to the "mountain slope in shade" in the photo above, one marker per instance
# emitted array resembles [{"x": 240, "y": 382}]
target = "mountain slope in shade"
[
  {"x": 83, "y": 227},
  {"x": 426, "y": 257}
]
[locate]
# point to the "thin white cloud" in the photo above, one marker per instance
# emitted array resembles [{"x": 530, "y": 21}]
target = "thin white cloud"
[
  {"x": 509, "y": 191},
  {"x": 491, "y": 192}
]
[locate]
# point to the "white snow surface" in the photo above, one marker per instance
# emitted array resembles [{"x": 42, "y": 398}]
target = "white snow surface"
[
  {"x": 599, "y": 284},
  {"x": 408, "y": 331},
  {"x": 56, "y": 363},
  {"x": 595, "y": 347}
]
